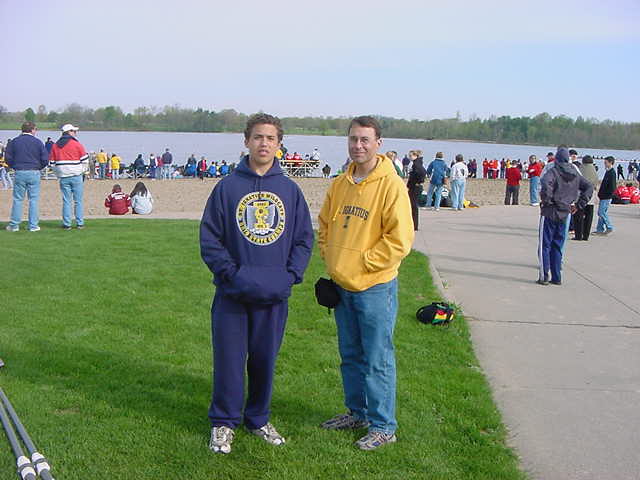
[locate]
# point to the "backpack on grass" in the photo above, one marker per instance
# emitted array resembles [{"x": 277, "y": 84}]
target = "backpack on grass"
[{"x": 437, "y": 313}]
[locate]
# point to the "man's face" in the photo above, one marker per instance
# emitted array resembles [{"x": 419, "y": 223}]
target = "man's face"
[
  {"x": 262, "y": 143},
  {"x": 363, "y": 144},
  {"x": 608, "y": 164}
]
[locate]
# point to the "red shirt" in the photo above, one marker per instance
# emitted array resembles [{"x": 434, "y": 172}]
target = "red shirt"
[
  {"x": 535, "y": 169},
  {"x": 118, "y": 203},
  {"x": 513, "y": 176}
]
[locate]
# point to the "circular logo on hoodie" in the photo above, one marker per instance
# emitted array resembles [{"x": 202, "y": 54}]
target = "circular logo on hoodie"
[{"x": 260, "y": 217}]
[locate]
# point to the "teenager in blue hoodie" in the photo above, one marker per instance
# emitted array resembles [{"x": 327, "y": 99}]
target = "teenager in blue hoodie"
[{"x": 256, "y": 238}]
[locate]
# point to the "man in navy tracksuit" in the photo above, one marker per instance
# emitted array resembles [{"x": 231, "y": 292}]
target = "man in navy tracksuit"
[
  {"x": 563, "y": 191},
  {"x": 256, "y": 237}
]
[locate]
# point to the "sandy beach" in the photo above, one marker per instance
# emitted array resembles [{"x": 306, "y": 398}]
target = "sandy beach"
[{"x": 186, "y": 198}]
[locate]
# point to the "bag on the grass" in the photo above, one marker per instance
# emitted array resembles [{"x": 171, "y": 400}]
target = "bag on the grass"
[
  {"x": 437, "y": 313},
  {"x": 326, "y": 293}
]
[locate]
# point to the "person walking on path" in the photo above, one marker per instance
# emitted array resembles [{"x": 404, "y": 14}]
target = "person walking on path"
[
  {"x": 533, "y": 171},
  {"x": 415, "y": 186},
  {"x": 167, "y": 160},
  {"x": 437, "y": 171},
  {"x": 584, "y": 216},
  {"x": 512, "y": 192},
  {"x": 27, "y": 155},
  {"x": 459, "y": 174},
  {"x": 256, "y": 238},
  {"x": 102, "y": 160},
  {"x": 364, "y": 233},
  {"x": 70, "y": 162},
  {"x": 605, "y": 193},
  {"x": 560, "y": 188}
]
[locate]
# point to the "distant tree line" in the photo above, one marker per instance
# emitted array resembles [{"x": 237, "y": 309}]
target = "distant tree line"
[{"x": 542, "y": 129}]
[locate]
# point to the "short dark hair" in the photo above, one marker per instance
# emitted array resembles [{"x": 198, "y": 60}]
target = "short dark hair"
[
  {"x": 587, "y": 159},
  {"x": 263, "y": 119},
  {"x": 366, "y": 121},
  {"x": 573, "y": 152},
  {"x": 610, "y": 159},
  {"x": 28, "y": 127},
  {"x": 459, "y": 157}
]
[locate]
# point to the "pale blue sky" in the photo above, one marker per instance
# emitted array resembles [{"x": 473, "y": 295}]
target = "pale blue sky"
[{"x": 410, "y": 59}]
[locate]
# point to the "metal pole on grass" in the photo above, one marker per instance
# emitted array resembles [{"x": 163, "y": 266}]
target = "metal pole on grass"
[
  {"x": 25, "y": 469},
  {"x": 39, "y": 461}
]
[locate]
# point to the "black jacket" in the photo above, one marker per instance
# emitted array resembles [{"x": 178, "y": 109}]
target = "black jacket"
[{"x": 608, "y": 185}]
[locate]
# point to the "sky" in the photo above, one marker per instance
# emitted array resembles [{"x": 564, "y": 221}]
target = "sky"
[{"x": 400, "y": 58}]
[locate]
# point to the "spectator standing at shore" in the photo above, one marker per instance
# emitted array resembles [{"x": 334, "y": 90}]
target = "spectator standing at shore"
[
  {"x": 620, "y": 172},
  {"x": 202, "y": 168},
  {"x": 167, "y": 160},
  {"x": 605, "y": 193},
  {"x": 459, "y": 174},
  {"x": 326, "y": 170},
  {"x": 153, "y": 166},
  {"x": 630, "y": 170},
  {"x": 533, "y": 171},
  {"x": 7, "y": 183},
  {"x": 485, "y": 168},
  {"x": 364, "y": 233},
  {"x": 27, "y": 155},
  {"x": 415, "y": 185},
  {"x": 114, "y": 165},
  {"x": 141, "y": 200},
  {"x": 583, "y": 218},
  {"x": 397, "y": 165},
  {"x": 138, "y": 166},
  {"x": 512, "y": 191},
  {"x": 101, "y": 157},
  {"x": 438, "y": 173},
  {"x": 70, "y": 162},
  {"x": 256, "y": 238},
  {"x": 560, "y": 188},
  {"x": 48, "y": 145},
  {"x": 406, "y": 164}
]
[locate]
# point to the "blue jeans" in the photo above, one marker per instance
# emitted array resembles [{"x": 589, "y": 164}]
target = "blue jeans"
[
  {"x": 457, "y": 193},
  {"x": 72, "y": 189},
  {"x": 603, "y": 216},
  {"x": 438, "y": 190},
  {"x": 103, "y": 171},
  {"x": 25, "y": 181},
  {"x": 534, "y": 187},
  {"x": 166, "y": 172},
  {"x": 365, "y": 322}
]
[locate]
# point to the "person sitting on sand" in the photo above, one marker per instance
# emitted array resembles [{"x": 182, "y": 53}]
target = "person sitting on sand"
[
  {"x": 141, "y": 200},
  {"x": 117, "y": 202}
]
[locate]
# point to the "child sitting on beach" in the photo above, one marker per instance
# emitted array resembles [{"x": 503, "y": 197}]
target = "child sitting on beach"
[
  {"x": 117, "y": 202},
  {"x": 141, "y": 199}
]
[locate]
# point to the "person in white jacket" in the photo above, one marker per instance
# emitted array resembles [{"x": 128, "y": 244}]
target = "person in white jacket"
[
  {"x": 141, "y": 199},
  {"x": 459, "y": 174}
]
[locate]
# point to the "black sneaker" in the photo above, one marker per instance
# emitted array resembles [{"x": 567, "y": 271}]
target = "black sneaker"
[
  {"x": 66, "y": 227},
  {"x": 555, "y": 282},
  {"x": 542, "y": 282}
]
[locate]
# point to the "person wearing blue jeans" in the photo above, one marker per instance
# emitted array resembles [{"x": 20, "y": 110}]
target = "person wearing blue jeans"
[
  {"x": 27, "y": 155},
  {"x": 437, "y": 172},
  {"x": 365, "y": 230},
  {"x": 70, "y": 161},
  {"x": 459, "y": 174},
  {"x": 605, "y": 193}
]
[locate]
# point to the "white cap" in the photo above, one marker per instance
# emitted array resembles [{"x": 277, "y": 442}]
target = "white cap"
[{"x": 68, "y": 128}]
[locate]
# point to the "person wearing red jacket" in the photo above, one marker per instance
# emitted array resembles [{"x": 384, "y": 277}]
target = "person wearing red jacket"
[
  {"x": 485, "y": 168},
  {"x": 622, "y": 195},
  {"x": 513, "y": 185},
  {"x": 117, "y": 201},
  {"x": 534, "y": 170},
  {"x": 635, "y": 195}
]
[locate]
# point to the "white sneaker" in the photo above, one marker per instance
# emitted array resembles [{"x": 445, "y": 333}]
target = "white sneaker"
[
  {"x": 9, "y": 228},
  {"x": 221, "y": 439},
  {"x": 34, "y": 229},
  {"x": 535, "y": 204},
  {"x": 269, "y": 434}
]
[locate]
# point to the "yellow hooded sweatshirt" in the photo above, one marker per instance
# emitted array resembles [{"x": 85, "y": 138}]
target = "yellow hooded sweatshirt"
[{"x": 366, "y": 229}]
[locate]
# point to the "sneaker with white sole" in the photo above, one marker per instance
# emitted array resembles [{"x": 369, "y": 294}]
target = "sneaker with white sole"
[
  {"x": 221, "y": 439},
  {"x": 373, "y": 440},
  {"x": 34, "y": 229},
  {"x": 345, "y": 421},
  {"x": 269, "y": 434},
  {"x": 11, "y": 228}
]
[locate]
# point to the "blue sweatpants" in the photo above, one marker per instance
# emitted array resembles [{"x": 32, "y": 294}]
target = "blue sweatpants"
[
  {"x": 552, "y": 236},
  {"x": 245, "y": 337}
]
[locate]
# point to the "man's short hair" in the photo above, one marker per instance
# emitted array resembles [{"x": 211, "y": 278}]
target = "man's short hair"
[
  {"x": 366, "y": 121},
  {"x": 573, "y": 152},
  {"x": 459, "y": 157},
  {"x": 263, "y": 119},
  {"x": 439, "y": 155},
  {"x": 610, "y": 159},
  {"x": 28, "y": 127}
]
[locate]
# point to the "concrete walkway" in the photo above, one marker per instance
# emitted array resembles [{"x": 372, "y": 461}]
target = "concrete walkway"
[{"x": 563, "y": 361}]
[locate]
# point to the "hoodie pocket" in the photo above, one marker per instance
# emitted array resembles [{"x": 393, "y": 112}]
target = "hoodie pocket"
[{"x": 260, "y": 284}]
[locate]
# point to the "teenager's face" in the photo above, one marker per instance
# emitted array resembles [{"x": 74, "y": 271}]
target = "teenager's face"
[
  {"x": 262, "y": 144},
  {"x": 363, "y": 144}
]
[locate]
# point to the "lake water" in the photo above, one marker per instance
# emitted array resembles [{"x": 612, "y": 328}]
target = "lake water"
[{"x": 227, "y": 146}]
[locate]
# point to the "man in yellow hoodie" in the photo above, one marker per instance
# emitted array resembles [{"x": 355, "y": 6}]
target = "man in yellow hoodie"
[{"x": 365, "y": 230}]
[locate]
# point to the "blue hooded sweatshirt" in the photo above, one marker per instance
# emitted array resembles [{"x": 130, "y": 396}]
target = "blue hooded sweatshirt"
[
  {"x": 256, "y": 235},
  {"x": 437, "y": 170}
]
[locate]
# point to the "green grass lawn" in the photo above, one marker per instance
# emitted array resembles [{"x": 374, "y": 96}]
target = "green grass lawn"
[{"x": 106, "y": 337}]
